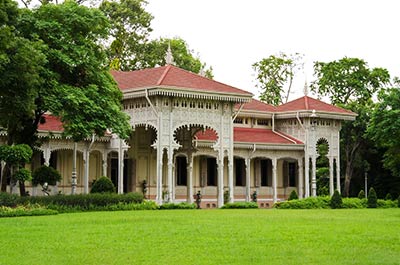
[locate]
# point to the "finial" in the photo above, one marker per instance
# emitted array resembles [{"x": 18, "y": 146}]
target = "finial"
[
  {"x": 305, "y": 88},
  {"x": 169, "y": 59}
]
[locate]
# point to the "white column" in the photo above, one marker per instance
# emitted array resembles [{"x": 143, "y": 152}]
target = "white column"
[
  {"x": 46, "y": 156},
  {"x": 307, "y": 176},
  {"x": 301, "y": 184},
  {"x": 274, "y": 180},
  {"x": 104, "y": 161},
  {"x": 74, "y": 177},
  {"x": 230, "y": 178},
  {"x": 220, "y": 161},
  {"x": 120, "y": 168},
  {"x": 247, "y": 162},
  {"x": 314, "y": 177},
  {"x": 86, "y": 155},
  {"x": 170, "y": 172},
  {"x": 331, "y": 186},
  {"x": 190, "y": 178},
  {"x": 159, "y": 198},
  {"x": 338, "y": 174}
]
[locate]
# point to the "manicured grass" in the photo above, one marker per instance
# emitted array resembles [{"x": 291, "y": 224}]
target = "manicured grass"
[{"x": 253, "y": 236}]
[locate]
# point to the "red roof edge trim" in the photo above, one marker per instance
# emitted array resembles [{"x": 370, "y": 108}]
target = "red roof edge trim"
[{"x": 163, "y": 75}]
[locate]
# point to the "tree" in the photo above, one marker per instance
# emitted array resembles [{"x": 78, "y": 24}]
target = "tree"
[
  {"x": 349, "y": 83},
  {"x": 273, "y": 73},
  {"x": 16, "y": 156},
  {"x": 336, "y": 200},
  {"x": 384, "y": 128},
  {"x": 130, "y": 28},
  {"x": 44, "y": 176},
  {"x": 156, "y": 50},
  {"x": 348, "y": 79}
]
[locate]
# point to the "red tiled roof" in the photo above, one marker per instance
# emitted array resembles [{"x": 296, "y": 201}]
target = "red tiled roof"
[
  {"x": 307, "y": 103},
  {"x": 256, "y": 105},
  {"x": 171, "y": 76},
  {"x": 250, "y": 135},
  {"x": 52, "y": 124}
]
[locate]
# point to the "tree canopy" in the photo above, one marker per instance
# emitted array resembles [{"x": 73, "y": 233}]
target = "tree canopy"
[{"x": 275, "y": 76}]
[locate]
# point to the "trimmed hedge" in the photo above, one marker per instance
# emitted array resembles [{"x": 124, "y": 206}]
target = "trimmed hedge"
[
  {"x": 240, "y": 205},
  {"x": 354, "y": 203},
  {"x": 336, "y": 200},
  {"x": 34, "y": 210},
  {"x": 79, "y": 201},
  {"x": 308, "y": 203},
  {"x": 182, "y": 205},
  {"x": 293, "y": 196}
]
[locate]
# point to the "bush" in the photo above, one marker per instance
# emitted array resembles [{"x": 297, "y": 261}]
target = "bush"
[
  {"x": 103, "y": 185},
  {"x": 307, "y": 203},
  {"x": 361, "y": 195},
  {"x": 336, "y": 200},
  {"x": 29, "y": 210},
  {"x": 73, "y": 203},
  {"x": 182, "y": 205},
  {"x": 240, "y": 205},
  {"x": 354, "y": 203},
  {"x": 45, "y": 174},
  {"x": 388, "y": 197},
  {"x": 9, "y": 200},
  {"x": 293, "y": 196},
  {"x": 386, "y": 204},
  {"x": 372, "y": 199}
]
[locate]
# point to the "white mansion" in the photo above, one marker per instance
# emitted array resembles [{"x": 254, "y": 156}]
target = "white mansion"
[{"x": 191, "y": 134}]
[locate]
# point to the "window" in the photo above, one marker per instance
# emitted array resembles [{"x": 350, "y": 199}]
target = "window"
[
  {"x": 240, "y": 172},
  {"x": 181, "y": 171},
  {"x": 211, "y": 171},
  {"x": 292, "y": 174},
  {"x": 264, "y": 172}
]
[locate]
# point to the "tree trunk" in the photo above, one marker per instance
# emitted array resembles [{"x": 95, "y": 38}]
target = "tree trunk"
[
  {"x": 348, "y": 176},
  {"x": 5, "y": 175},
  {"x": 22, "y": 191}
]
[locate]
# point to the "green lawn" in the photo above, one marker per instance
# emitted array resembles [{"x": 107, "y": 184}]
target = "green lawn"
[{"x": 368, "y": 236}]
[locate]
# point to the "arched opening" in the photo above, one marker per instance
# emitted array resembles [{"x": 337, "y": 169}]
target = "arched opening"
[
  {"x": 181, "y": 170},
  {"x": 262, "y": 172},
  {"x": 239, "y": 171},
  {"x": 322, "y": 167}
]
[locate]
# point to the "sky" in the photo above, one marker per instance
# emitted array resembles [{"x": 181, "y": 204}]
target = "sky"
[{"x": 231, "y": 35}]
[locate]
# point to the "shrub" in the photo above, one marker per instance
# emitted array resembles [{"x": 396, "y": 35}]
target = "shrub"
[
  {"x": 45, "y": 174},
  {"x": 354, "y": 203},
  {"x": 372, "y": 199},
  {"x": 103, "y": 185},
  {"x": 361, "y": 195},
  {"x": 28, "y": 210},
  {"x": 182, "y": 205},
  {"x": 386, "y": 204},
  {"x": 307, "y": 203},
  {"x": 398, "y": 201},
  {"x": 240, "y": 205},
  {"x": 293, "y": 196},
  {"x": 336, "y": 200},
  {"x": 388, "y": 197},
  {"x": 9, "y": 200}
]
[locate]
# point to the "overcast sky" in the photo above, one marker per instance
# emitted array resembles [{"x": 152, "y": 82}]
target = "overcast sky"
[{"x": 231, "y": 35}]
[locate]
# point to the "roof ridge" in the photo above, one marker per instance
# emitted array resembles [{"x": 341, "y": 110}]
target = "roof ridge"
[
  {"x": 306, "y": 102},
  {"x": 164, "y": 74}
]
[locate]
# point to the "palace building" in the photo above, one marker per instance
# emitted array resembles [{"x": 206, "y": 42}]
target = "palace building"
[{"x": 191, "y": 134}]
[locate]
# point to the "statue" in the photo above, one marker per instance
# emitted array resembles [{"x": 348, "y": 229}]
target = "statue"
[
  {"x": 198, "y": 199},
  {"x": 254, "y": 196}
]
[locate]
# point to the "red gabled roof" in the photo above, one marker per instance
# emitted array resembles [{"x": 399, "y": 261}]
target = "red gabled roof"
[
  {"x": 308, "y": 103},
  {"x": 52, "y": 124},
  {"x": 251, "y": 135},
  {"x": 257, "y": 105},
  {"x": 171, "y": 76}
]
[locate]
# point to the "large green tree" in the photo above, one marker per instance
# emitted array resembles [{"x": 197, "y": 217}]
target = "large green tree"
[
  {"x": 351, "y": 84},
  {"x": 385, "y": 127},
  {"x": 275, "y": 75},
  {"x": 71, "y": 80},
  {"x": 130, "y": 29}
]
